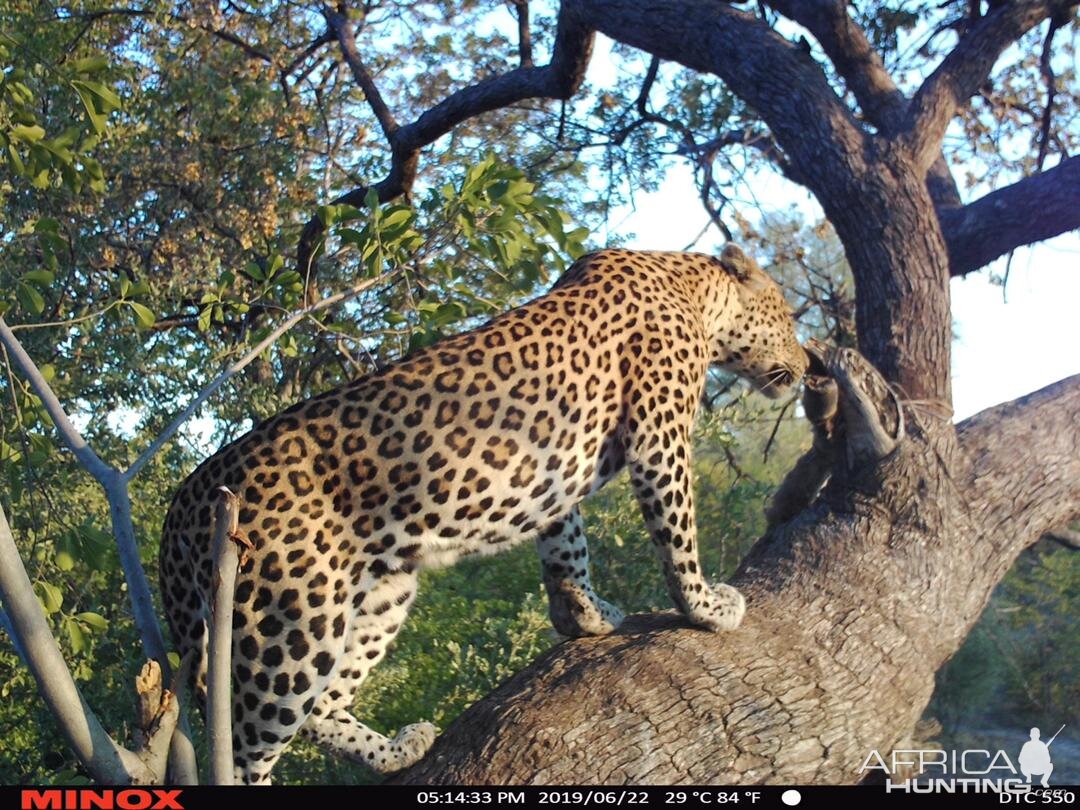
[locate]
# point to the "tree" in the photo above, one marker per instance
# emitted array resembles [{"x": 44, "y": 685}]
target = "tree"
[
  {"x": 888, "y": 568},
  {"x": 856, "y": 601}
]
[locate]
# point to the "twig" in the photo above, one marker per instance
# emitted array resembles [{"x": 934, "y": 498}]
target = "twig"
[
  {"x": 1047, "y": 70},
  {"x": 521, "y": 11}
]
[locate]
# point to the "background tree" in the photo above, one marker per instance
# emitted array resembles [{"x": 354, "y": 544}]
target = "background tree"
[{"x": 245, "y": 129}]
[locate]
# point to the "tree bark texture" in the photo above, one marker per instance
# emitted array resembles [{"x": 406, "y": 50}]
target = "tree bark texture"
[{"x": 852, "y": 606}]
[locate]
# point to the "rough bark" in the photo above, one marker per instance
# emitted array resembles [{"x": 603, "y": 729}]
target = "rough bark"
[{"x": 852, "y": 607}]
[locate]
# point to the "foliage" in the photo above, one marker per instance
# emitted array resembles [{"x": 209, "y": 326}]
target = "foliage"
[{"x": 1022, "y": 660}]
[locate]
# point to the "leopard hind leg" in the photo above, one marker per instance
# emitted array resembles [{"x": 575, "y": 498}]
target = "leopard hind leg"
[{"x": 377, "y": 621}]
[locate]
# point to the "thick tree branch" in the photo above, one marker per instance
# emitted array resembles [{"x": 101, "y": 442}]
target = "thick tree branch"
[
  {"x": 854, "y": 58},
  {"x": 852, "y": 606},
  {"x": 959, "y": 75},
  {"x": 1031, "y": 210},
  {"x": 862, "y": 69},
  {"x": 1025, "y": 467}
]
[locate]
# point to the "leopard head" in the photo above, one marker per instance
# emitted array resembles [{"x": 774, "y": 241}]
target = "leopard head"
[{"x": 756, "y": 337}]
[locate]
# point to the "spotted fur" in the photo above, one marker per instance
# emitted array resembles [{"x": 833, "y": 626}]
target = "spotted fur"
[{"x": 467, "y": 447}]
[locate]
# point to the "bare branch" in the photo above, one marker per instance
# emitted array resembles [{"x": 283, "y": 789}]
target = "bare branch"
[
  {"x": 69, "y": 434},
  {"x": 762, "y": 142},
  {"x": 219, "y": 674},
  {"x": 521, "y": 11},
  {"x": 243, "y": 362},
  {"x": 959, "y": 75},
  {"x": 1031, "y": 210},
  {"x": 1047, "y": 71},
  {"x": 342, "y": 28}
]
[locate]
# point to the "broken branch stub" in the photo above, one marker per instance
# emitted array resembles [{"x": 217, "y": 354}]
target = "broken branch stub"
[
  {"x": 219, "y": 666},
  {"x": 855, "y": 416}
]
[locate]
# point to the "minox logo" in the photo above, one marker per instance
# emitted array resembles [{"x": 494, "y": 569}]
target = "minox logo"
[
  {"x": 970, "y": 771},
  {"x": 90, "y": 799}
]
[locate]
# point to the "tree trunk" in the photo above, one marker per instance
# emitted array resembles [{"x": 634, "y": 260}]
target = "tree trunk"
[{"x": 852, "y": 607}]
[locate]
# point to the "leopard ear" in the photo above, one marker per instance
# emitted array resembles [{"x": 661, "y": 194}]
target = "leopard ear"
[{"x": 737, "y": 263}]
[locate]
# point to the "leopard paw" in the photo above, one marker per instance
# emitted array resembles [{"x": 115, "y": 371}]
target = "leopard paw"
[
  {"x": 575, "y": 612},
  {"x": 720, "y": 608}
]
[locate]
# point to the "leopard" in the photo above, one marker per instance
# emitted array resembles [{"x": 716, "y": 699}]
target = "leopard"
[{"x": 467, "y": 447}]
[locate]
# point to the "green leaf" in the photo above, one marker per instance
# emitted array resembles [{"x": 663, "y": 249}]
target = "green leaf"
[
  {"x": 75, "y": 635},
  {"x": 97, "y": 120},
  {"x": 105, "y": 99},
  {"x": 29, "y": 298},
  {"x": 42, "y": 278},
  {"x": 95, "y": 620},
  {"x": 371, "y": 202},
  {"x": 144, "y": 317},
  {"x": 174, "y": 660},
  {"x": 50, "y": 596},
  {"x": 90, "y": 64},
  {"x": 204, "y": 318},
  {"x": 351, "y": 236},
  {"x": 277, "y": 261},
  {"x": 396, "y": 216},
  {"x": 328, "y": 215},
  {"x": 252, "y": 270},
  {"x": 28, "y": 134},
  {"x": 16, "y": 159},
  {"x": 64, "y": 560}
]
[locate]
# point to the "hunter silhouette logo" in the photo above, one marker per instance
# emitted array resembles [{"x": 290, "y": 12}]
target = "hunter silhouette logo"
[{"x": 1035, "y": 757}]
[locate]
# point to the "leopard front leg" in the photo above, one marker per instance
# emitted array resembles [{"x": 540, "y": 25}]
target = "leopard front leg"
[
  {"x": 575, "y": 608},
  {"x": 663, "y": 484}
]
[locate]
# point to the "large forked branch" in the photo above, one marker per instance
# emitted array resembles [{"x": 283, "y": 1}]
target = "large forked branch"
[
  {"x": 966, "y": 67},
  {"x": 1030, "y": 210},
  {"x": 559, "y": 79},
  {"x": 107, "y": 761},
  {"x": 813, "y": 127},
  {"x": 864, "y": 72}
]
